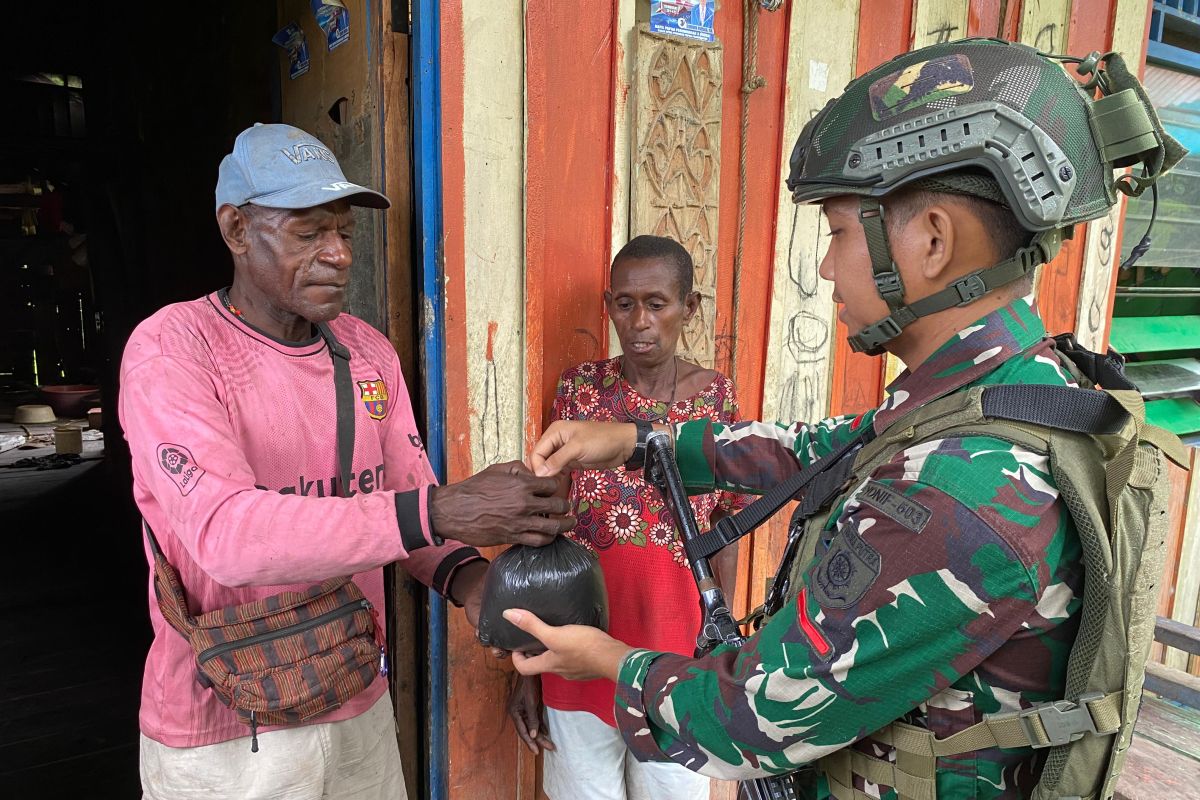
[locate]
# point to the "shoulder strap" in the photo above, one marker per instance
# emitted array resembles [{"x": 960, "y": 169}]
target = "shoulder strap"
[
  {"x": 345, "y": 430},
  {"x": 729, "y": 529},
  {"x": 345, "y": 407}
]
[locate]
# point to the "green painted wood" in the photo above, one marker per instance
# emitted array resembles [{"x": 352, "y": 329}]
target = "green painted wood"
[
  {"x": 1155, "y": 334},
  {"x": 1176, "y": 414}
]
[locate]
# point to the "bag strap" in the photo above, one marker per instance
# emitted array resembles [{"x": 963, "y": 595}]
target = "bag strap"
[
  {"x": 729, "y": 529},
  {"x": 169, "y": 576},
  {"x": 345, "y": 407}
]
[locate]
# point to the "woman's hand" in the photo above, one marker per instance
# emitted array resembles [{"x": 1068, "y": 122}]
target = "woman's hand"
[
  {"x": 576, "y": 652},
  {"x": 582, "y": 445},
  {"x": 525, "y": 708}
]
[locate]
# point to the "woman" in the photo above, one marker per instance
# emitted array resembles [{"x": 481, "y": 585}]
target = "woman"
[{"x": 652, "y": 595}]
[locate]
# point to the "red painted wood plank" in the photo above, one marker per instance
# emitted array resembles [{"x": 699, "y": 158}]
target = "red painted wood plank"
[{"x": 983, "y": 18}]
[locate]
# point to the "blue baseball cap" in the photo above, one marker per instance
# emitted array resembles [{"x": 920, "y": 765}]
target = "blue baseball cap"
[{"x": 279, "y": 166}]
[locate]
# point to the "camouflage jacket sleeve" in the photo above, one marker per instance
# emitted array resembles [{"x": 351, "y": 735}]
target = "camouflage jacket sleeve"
[
  {"x": 933, "y": 563},
  {"x": 752, "y": 457}
]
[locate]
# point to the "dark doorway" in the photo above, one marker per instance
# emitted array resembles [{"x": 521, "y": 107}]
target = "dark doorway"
[{"x": 115, "y": 120}]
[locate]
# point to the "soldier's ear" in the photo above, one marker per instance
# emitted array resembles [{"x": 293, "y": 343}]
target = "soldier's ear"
[
  {"x": 933, "y": 234},
  {"x": 234, "y": 228}
]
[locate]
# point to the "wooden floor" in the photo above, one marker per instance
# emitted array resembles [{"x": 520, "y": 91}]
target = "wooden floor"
[
  {"x": 1164, "y": 761},
  {"x": 73, "y": 637}
]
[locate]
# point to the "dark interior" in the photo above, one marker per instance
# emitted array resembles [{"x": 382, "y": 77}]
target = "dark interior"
[{"x": 115, "y": 119}]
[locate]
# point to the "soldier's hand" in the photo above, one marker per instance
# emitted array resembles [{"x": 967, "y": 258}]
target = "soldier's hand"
[
  {"x": 525, "y": 708},
  {"x": 576, "y": 652},
  {"x": 503, "y": 504},
  {"x": 583, "y": 445}
]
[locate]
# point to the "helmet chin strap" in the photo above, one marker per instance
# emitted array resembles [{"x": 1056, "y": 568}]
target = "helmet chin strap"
[{"x": 964, "y": 291}]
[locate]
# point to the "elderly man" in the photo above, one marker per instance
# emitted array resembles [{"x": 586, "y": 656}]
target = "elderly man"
[{"x": 232, "y": 416}]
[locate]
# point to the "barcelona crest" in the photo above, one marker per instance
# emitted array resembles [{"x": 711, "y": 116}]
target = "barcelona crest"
[
  {"x": 920, "y": 84},
  {"x": 374, "y": 396}
]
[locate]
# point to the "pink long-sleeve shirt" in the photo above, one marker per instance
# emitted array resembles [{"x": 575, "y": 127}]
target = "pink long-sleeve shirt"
[{"x": 234, "y": 447}]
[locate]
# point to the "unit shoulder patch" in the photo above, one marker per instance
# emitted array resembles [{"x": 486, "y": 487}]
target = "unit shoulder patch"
[{"x": 846, "y": 571}]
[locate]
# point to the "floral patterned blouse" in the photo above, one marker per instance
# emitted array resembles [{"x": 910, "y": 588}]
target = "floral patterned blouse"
[{"x": 652, "y": 596}]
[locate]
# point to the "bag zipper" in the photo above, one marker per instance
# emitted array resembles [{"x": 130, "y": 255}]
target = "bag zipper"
[{"x": 294, "y": 628}]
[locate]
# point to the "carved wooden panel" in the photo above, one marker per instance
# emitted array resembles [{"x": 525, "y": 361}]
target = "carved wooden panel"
[
  {"x": 800, "y": 345},
  {"x": 677, "y": 164}
]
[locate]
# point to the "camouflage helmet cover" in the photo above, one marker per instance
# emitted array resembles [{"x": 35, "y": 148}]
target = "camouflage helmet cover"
[{"x": 974, "y": 103}]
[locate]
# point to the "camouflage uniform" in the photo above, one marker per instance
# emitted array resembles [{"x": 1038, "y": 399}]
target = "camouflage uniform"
[{"x": 947, "y": 586}]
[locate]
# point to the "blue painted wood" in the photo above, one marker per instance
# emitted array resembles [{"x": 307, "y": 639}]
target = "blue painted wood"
[{"x": 427, "y": 191}]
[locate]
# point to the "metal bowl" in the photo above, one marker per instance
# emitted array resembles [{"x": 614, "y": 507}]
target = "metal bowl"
[{"x": 33, "y": 415}]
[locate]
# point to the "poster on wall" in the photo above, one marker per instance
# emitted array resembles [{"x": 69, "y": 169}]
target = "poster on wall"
[
  {"x": 291, "y": 38},
  {"x": 691, "y": 19},
  {"x": 334, "y": 19}
]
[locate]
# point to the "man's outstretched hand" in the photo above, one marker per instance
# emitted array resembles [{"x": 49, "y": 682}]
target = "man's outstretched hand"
[
  {"x": 583, "y": 445},
  {"x": 503, "y": 504},
  {"x": 576, "y": 652}
]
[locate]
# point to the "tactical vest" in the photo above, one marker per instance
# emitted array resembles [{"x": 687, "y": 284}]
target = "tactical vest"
[{"x": 1112, "y": 476}]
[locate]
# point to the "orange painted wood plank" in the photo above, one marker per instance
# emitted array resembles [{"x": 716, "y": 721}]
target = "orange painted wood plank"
[
  {"x": 858, "y": 379},
  {"x": 765, "y": 153},
  {"x": 458, "y": 433},
  {"x": 569, "y": 85}
]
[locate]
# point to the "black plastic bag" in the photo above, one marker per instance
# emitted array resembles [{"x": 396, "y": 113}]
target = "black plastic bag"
[{"x": 561, "y": 583}]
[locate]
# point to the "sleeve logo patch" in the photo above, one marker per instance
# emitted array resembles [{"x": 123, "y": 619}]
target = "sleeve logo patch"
[
  {"x": 374, "y": 395},
  {"x": 180, "y": 466},
  {"x": 847, "y": 570},
  {"x": 891, "y": 503}
]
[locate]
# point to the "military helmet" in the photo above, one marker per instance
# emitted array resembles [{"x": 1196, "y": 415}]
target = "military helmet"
[{"x": 962, "y": 115}]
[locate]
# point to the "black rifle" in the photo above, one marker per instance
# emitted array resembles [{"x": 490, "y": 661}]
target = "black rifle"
[{"x": 717, "y": 624}]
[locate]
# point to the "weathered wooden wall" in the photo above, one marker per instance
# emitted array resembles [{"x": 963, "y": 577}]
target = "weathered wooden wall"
[{"x": 545, "y": 115}]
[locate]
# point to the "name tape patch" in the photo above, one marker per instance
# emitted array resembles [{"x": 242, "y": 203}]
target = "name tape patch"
[{"x": 905, "y": 510}]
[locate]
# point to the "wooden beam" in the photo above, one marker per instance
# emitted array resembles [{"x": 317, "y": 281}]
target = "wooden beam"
[
  {"x": 821, "y": 61},
  {"x": 939, "y": 21},
  {"x": 1173, "y": 684},
  {"x": 1187, "y": 585},
  {"x": 800, "y": 345},
  {"x": 483, "y": 59},
  {"x": 1177, "y": 634},
  {"x": 1178, "y": 478},
  {"x": 1103, "y": 240}
]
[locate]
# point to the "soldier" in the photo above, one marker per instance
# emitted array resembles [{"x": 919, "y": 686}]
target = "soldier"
[{"x": 947, "y": 583}]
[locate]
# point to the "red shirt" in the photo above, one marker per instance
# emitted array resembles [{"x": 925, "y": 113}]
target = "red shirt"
[{"x": 652, "y": 595}]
